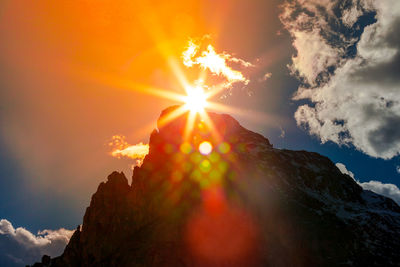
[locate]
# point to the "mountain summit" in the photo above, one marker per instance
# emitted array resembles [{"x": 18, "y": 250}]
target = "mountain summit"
[{"x": 223, "y": 196}]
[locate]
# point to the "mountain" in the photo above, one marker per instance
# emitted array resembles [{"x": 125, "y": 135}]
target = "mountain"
[{"x": 244, "y": 204}]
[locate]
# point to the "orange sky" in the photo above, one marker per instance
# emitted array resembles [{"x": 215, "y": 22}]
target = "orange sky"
[
  {"x": 64, "y": 62},
  {"x": 69, "y": 81}
]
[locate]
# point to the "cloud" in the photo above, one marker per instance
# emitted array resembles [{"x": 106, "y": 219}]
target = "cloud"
[
  {"x": 351, "y": 15},
  {"x": 266, "y": 76},
  {"x": 398, "y": 169},
  {"x": 216, "y": 63},
  {"x": 18, "y": 245},
  {"x": 348, "y": 67},
  {"x": 387, "y": 190},
  {"x": 283, "y": 133},
  {"x": 121, "y": 148},
  {"x": 344, "y": 170}
]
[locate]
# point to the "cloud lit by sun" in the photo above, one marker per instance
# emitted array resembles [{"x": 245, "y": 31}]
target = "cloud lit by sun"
[
  {"x": 196, "y": 98},
  {"x": 216, "y": 63},
  {"x": 121, "y": 148}
]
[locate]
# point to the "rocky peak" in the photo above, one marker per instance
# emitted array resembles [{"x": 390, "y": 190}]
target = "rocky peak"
[
  {"x": 226, "y": 129},
  {"x": 243, "y": 204}
]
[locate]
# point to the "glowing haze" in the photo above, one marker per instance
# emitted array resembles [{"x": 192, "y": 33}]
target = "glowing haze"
[{"x": 197, "y": 93}]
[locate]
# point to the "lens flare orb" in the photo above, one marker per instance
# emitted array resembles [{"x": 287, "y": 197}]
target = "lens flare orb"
[{"x": 205, "y": 148}]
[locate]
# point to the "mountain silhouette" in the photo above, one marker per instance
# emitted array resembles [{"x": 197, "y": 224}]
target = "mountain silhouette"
[{"x": 243, "y": 204}]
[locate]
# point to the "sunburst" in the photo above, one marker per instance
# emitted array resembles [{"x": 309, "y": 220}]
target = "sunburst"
[{"x": 196, "y": 99}]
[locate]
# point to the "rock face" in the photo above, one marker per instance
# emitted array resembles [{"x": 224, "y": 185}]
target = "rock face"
[{"x": 244, "y": 204}]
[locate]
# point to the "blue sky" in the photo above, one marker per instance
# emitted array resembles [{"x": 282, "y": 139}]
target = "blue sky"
[{"x": 334, "y": 89}]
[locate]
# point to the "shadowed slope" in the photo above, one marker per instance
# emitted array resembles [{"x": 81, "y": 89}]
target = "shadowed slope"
[{"x": 244, "y": 204}]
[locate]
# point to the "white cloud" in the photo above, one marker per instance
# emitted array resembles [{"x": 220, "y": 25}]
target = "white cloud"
[
  {"x": 398, "y": 169},
  {"x": 356, "y": 99},
  {"x": 314, "y": 55},
  {"x": 216, "y": 63},
  {"x": 6, "y": 227},
  {"x": 344, "y": 170},
  {"x": 27, "y": 247},
  {"x": 387, "y": 190},
  {"x": 351, "y": 15}
]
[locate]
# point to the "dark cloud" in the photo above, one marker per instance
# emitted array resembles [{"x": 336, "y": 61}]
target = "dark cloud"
[
  {"x": 385, "y": 73},
  {"x": 387, "y": 133}
]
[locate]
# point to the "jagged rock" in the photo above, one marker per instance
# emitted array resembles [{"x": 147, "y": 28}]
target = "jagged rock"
[
  {"x": 46, "y": 260},
  {"x": 245, "y": 204}
]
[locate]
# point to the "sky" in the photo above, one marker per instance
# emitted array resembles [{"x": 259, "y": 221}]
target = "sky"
[{"x": 322, "y": 76}]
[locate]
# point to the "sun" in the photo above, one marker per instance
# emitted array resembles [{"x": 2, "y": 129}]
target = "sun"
[{"x": 196, "y": 99}]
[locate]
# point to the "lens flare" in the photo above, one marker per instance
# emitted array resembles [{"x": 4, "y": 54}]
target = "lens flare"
[
  {"x": 205, "y": 148},
  {"x": 196, "y": 99},
  {"x": 219, "y": 233}
]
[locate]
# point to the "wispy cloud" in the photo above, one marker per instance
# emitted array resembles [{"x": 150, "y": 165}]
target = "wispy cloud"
[
  {"x": 283, "y": 133},
  {"x": 348, "y": 70},
  {"x": 121, "y": 148},
  {"x": 266, "y": 76},
  {"x": 217, "y": 63}
]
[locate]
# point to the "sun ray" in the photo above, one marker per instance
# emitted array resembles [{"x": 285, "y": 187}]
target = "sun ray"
[
  {"x": 197, "y": 96},
  {"x": 143, "y": 132},
  {"x": 126, "y": 84},
  {"x": 171, "y": 116},
  {"x": 178, "y": 72},
  {"x": 210, "y": 124},
  {"x": 148, "y": 18},
  {"x": 189, "y": 125},
  {"x": 216, "y": 89},
  {"x": 255, "y": 116}
]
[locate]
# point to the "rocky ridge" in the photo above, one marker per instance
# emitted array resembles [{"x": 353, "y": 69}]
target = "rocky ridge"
[{"x": 245, "y": 204}]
